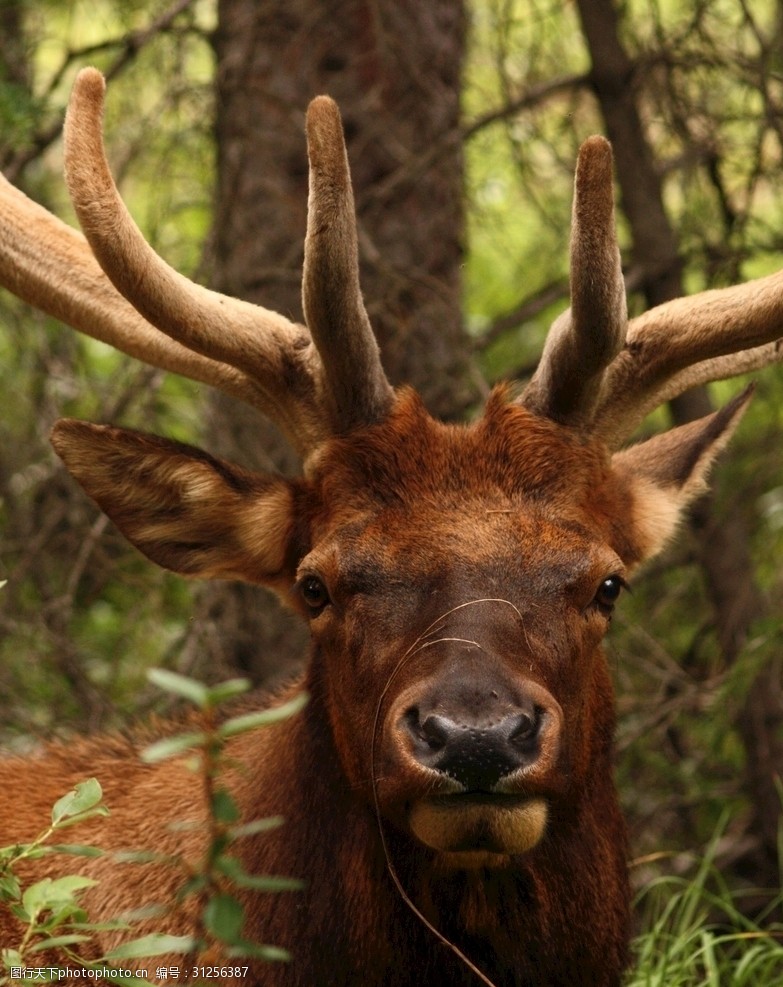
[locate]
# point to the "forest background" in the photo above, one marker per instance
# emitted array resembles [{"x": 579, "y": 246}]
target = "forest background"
[{"x": 463, "y": 123}]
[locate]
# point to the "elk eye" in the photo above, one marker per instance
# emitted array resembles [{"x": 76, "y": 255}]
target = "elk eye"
[
  {"x": 314, "y": 593},
  {"x": 609, "y": 592}
]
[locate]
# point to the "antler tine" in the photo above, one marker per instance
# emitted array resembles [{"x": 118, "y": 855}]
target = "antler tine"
[
  {"x": 356, "y": 386},
  {"x": 273, "y": 353},
  {"x": 582, "y": 343},
  {"x": 50, "y": 265},
  {"x": 690, "y": 341}
]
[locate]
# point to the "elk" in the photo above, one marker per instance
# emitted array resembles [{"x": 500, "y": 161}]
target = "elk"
[{"x": 448, "y": 789}]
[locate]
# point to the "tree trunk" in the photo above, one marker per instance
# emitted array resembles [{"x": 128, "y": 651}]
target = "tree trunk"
[
  {"x": 722, "y": 545},
  {"x": 394, "y": 68}
]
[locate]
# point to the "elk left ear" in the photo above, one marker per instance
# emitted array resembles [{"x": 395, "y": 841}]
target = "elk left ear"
[
  {"x": 184, "y": 509},
  {"x": 668, "y": 472}
]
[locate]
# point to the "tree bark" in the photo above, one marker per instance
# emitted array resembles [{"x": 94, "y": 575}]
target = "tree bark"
[
  {"x": 394, "y": 68},
  {"x": 722, "y": 545}
]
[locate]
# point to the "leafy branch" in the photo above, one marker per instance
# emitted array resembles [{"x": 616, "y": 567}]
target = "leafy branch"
[{"x": 51, "y": 915}]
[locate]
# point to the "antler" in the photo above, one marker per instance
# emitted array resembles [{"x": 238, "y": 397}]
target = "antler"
[
  {"x": 691, "y": 341},
  {"x": 586, "y": 338},
  {"x": 312, "y": 391},
  {"x": 50, "y": 265},
  {"x": 594, "y": 374},
  {"x": 331, "y": 295},
  {"x": 597, "y": 372}
]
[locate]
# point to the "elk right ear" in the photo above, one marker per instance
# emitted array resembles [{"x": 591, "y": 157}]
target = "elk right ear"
[
  {"x": 183, "y": 509},
  {"x": 669, "y": 471}
]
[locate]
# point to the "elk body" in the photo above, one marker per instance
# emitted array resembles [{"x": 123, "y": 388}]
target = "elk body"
[{"x": 458, "y": 581}]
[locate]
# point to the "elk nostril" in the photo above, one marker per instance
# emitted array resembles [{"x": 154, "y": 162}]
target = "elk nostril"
[
  {"x": 526, "y": 727},
  {"x": 432, "y": 733},
  {"x": 435, "y": 731}
]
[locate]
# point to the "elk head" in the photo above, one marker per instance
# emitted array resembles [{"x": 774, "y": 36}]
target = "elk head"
[{"x": 457, "y": 579}]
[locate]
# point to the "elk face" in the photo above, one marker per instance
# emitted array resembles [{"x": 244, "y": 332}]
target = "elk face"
[
  {"x": 458, "y": 584},
  {"x": 458, "y": 581},
  {"x": 459, "y": 659}
]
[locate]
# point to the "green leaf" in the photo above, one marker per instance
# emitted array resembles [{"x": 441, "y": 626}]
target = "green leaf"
[
  {"x": 171, "y": 746},
  {"x": 268, "y": 882},
  {"x": 62, "y": 888},
  {"x": 9, "y": 888},
  {"x": 224, "y": 918},
  {"x": 262, "y": 718},
  {"x": 84, "y": 797},
  {"x": 99, "y": 810},
  {"x": 77, "y": 850},
  {"x": 271, "y": 954},
  {"x": 141, "y": 914},
  {"x": 257, "y": 826},
  {"x": 33, "y": 853},
  {"x": 51, "y": 893},
  {"x": 142, "y": 857},
  {"x": 193, "y": 885},
  {"x": 224, "y": 691},
  {"x": 68, "y": 940},
  {"x": 36, "y": 897},
  {"x": 152, "y": 945},
  {"x": 224, "y": 808},
  {"x": 180, "y": 685},
  {"x": 232, "y": 868},
  {"x": 68, "y": 913}
]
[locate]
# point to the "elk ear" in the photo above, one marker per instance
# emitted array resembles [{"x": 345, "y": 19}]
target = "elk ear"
[
  {"x": 666, "y": 473},
  {"x": 185, "y": 510}
]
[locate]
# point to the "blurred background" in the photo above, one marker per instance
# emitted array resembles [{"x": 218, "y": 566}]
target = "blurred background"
[{"x": 463, "y": 121}]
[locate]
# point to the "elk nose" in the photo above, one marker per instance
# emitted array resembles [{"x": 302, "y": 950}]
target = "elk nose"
[{"x": 477, "y": 756}]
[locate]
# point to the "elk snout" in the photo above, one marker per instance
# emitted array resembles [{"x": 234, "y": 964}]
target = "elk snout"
[
  {"x": 480, "y": 744},
  {"x": 498, "y": 755},
  {"x": 476, "y": 755}
]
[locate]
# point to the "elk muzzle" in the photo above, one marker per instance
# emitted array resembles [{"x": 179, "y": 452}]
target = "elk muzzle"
[{"x": 491, "y": 752}]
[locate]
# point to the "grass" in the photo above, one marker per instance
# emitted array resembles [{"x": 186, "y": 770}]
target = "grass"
[{"x": 696, "y": 934}]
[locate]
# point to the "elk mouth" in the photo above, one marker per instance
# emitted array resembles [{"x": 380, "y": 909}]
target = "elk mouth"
[
  {"x": 459, "y": 800},
  {"x": 479, "y": 822}
]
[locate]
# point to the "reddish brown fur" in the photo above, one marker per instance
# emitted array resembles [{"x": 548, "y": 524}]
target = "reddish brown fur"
[{"x": 515, "y": 521}]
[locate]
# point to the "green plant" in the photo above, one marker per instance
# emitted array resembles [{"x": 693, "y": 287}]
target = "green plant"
[
  {"x": 698, "y": 934},
  {"x": 50, "y": 909},
  {"x": 221, "y": 873}
]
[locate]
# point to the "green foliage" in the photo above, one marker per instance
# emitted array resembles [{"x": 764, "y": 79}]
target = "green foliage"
[
  {"x": 18, "y": 112},
  {"x": 697, "y": 933},
  {"x": 50, "y": 909},
  {"x": 220, "y": 872},
  {"x": 519, "y": 169}
]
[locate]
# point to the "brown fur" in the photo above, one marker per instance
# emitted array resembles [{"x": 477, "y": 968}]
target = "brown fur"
[{"x": 455, "y": 558}]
